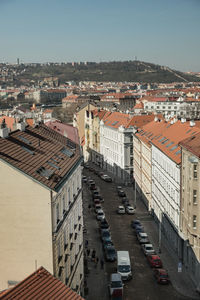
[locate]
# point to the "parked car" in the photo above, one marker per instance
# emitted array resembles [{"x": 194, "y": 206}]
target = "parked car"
[
  {"x": 115, "y": 286},
  {"x": 139, "y": 228},
  {"x": 130, "y": 210},
  {"x": 121, "y": 210},
  {"x": 91, "y": 169},
  {"x": 143, "y": 238},
  {"x": 104, "y": 224},
  {"x": 161, "y": 276},
  {"x": 110, "y": 253},
  {"x": 95, "y": 193},
  {"x": 100, "y": 174},
  {"x": 99, "y": 197},
  {"x": 105, "y": 235},
  {"x": 106, "y": 178},
  {"x": 121, "y": 193},
  {"x": 84, "y": 179},
  {"x": 97, "y": 208},
  {"x": 135, "y": 223},
  {"x": 119, "y": 187},
  {"x": 90, "y": 181},
  {"x": 106, "y": 244},
  {"x": 148, "y": 249},
  {"x": 100, "y": 215},
  {"x": 154, "y": 261},
  {"x": 96, "y": 201},
  {"x": 124, "y": 200},
  {"x": 92, "y": 186}
]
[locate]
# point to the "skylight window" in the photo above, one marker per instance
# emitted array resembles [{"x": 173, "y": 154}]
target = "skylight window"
[
  {"x": 115, "y": 123},
  {"x": 162, "y": 139},
  {"x": 173, "y": 148},
  {"x": 165, "y": 141},
  {"x": 71, "y": 144},
  {"x": 45, "y": 172},
  {"x": 23, "y": 139},
  {"x": 171, "y": 143},
  {"x": 189, "y": 130},
  {"x": 28, "y": 150},
  {"x": 67, "y": 152},
  {"x": 53, "y": 165},
  {"x": 178, "y": 152}
]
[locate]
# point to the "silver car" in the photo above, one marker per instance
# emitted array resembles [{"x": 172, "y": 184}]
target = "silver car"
[{"x": 148, "y": 249}]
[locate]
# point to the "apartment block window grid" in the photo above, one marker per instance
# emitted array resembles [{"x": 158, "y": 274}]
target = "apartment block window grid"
[
  {"x": 195, "y": 174},
  {"x": 194, "y": 221},
  {"x": 194, "y": 197}
]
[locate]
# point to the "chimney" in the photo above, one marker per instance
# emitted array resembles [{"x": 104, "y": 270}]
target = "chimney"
[
  {"x": 172, "y": 122},
  {"x": 192, "y": 123},
  {"x": 21, "y": 125},
  {"x": 4, "y": 131},
  {"x": 183, "y": 120},
  {"x": 155, "y": 119}
]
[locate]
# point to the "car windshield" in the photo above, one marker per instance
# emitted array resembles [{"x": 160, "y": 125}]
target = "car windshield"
[
  {"x": 105, "y": 233},
  {"x": 116, "y": 284},
  {"x": 163, "y": 276},
  {"x": 111, "y": 251},
  {"x": 124, "y": 269},
  {"x": 156, "y": 260},
  {"x": 149, "y": 248}
]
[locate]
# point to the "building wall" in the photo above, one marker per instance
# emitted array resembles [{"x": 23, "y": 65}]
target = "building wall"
[
  {"x": 190, "y": 205},
  {"x": 166, "y": 195},
  {"x": 67, "y": 231},
  {"x": 25, "y": 226}
]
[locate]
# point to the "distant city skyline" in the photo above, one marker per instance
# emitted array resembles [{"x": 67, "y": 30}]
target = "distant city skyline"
[{"x": 160, "y": 32}]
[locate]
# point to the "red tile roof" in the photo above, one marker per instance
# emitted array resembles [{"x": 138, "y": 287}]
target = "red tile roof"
[
  {"x": 64, "y": 129},
  {"x": 40, "y": 285},
  {"x": 10, "y": 121},
  {"x": 192, "y": 144},
  {"x": 40, "y": 153},
  {"x": 166, "y": 136}
]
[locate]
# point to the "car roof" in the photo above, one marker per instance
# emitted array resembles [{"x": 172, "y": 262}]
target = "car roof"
[
  {"x": 162, "y": 271},
  {"x": 120, "y": 206},
  {"x": 115, "y": 277},
  {"x": 154, "y": 256},
  {"x": 148, "y": 245},
  {"x": 143, "y": 234}
]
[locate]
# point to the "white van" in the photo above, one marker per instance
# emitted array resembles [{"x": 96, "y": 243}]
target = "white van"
[{"x": 124, "y": 265}]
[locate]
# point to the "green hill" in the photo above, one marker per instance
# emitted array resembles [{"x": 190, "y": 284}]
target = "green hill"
[{"x": 136, "y": 71}]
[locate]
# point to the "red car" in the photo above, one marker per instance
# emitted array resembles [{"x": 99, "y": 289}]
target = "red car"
[
  {"x": 154, "y": 261},
  {"x": 161, "y": 276}
]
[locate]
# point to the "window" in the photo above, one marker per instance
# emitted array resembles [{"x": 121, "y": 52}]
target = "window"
[
  {"x": 57, "y": 213},
  {"x": 194, "y": 222},
  {"x": 63, "y": 201},
  {"x": 194, "y": 196},
  {"x": 195, "y": 171}
]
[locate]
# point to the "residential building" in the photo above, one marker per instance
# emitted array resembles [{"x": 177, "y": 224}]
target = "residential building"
[
  {"x": 42, "y": 285},
  {"x": 79, "y": 120},
  {"x": 116, "y": 143},
  {"x": 41, "y": 205},
  {"x": 166, "y": 181},
  {"x": 190, "y": 205},
  {"x": 92, "y": 135},
  {"x": 142, "y": 158}
]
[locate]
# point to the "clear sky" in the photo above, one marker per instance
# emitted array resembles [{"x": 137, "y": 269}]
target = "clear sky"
[{"x": 166, "y": 32}]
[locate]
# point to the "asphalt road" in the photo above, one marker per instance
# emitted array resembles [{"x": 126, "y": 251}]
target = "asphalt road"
[{"x": 143, "y": 285}]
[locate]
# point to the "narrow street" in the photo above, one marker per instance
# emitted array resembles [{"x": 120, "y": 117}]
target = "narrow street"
[{"x": 143, "y": 285}]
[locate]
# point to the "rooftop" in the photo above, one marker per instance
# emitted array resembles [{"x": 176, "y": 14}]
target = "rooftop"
[
  {"x": 41, "y": 153},
  {"x": 40, "y": 285}
]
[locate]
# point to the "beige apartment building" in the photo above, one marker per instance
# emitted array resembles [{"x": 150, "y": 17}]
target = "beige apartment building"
[
  {"x": 190, "y": 204},
  {"x": 79, "y": 121},
  {"x": 92, "y": 135},
  {"x": 142, "y": 159},
  {"x": 40, "y": 206}
]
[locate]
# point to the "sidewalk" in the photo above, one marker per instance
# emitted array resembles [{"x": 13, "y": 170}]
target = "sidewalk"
[
  {"x": 180, "y": 280},
  {"x": 96, "y": 277}
]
